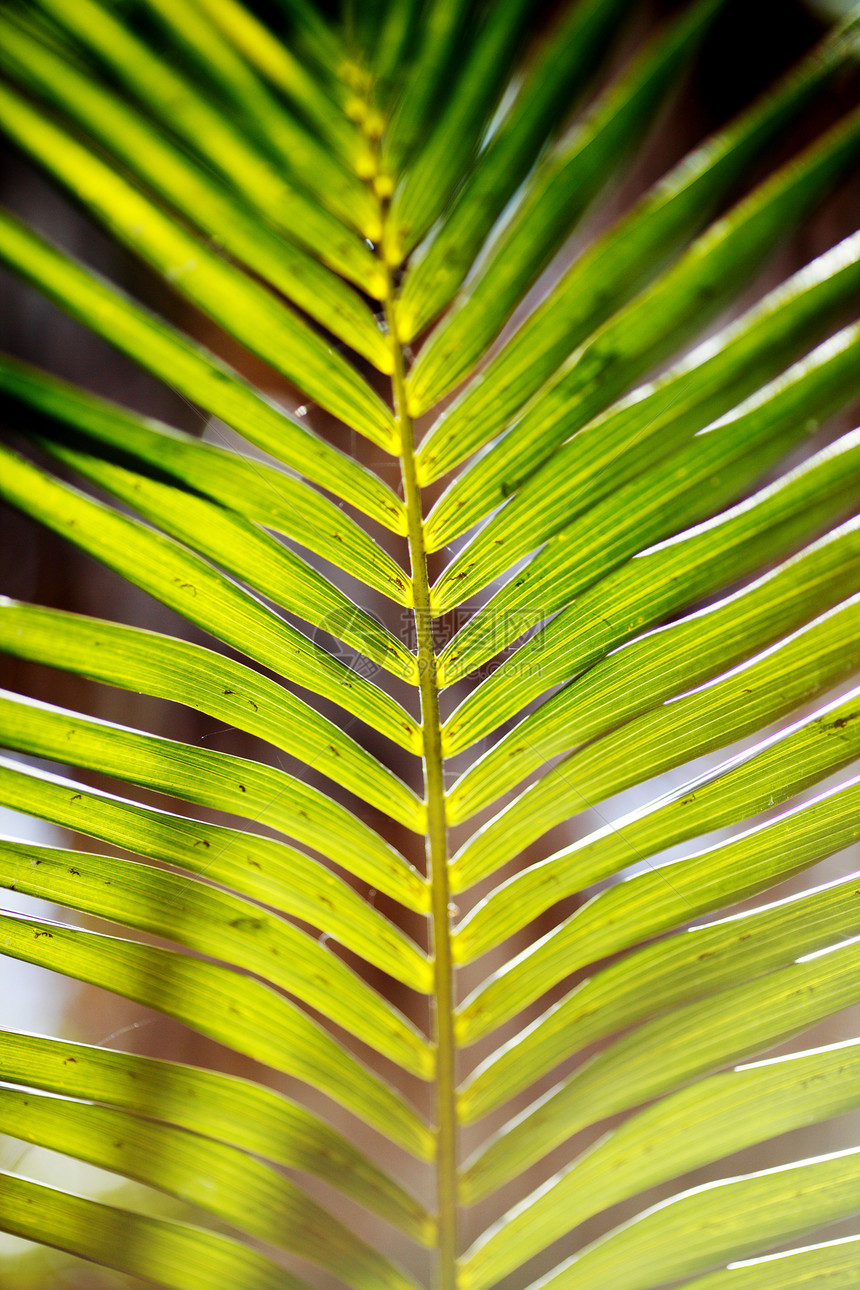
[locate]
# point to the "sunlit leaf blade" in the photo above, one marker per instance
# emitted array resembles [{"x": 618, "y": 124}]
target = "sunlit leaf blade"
[
  {"x": 245, "y": 310},
  {"x": 442, "y": 23},
  {"x": 693, "y": 1127},
  {"x": 191, "y": 369},
  {"x": 610, "y": 271},
  {"x": 737, "y": 789},
  {"x": 240, "y": 787},
  {"x": 149, "y": 154},
  {"x": 639, "y": 436},
  {"x": 673, "y": 310},
  {"x": 305, "y": 158},
  {"x": 210, "y": 132},
  {"x": 267, "y": 567},
  {"x": 718, "y": 1221},
  {"x": 770, "y": 685},
  {"x": 199, "y": 592},
  {"x": 652, "y": 980},
  {"x": 560, "y": 72},
  {"x": 836, "y": 1264},
  {"x": 668, "y": 1052},
  {"x": 175, "y": 1256},
  {"x": 438, "y": 167},
  {"x": 287, "y": 71},
  {"x": 265, "y": 870},
  {"x": 394, "y": 41},
  {"x": 694, "y": 484},
  {"x": 220, "y": 926},
  {"x": 224, "y": 1107},
  {"x": 247, "y": 1195},
  {"x": 666, "y": 897},
  {"x": 778, "y": 414},
  {"x": 553, "y": 202},
  {"x": 667, "y": 662},
  {"x": 660, "y": 580},
  {"x": 238, "y": 1011},
  {"x": 253, "y": 488}
]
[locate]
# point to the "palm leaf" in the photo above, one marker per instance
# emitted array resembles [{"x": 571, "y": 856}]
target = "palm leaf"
[{"x": 649, "y": 542}]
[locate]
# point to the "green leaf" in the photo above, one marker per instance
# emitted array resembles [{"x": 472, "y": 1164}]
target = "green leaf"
[
  {"x": 172, "y": 1255},
  {"x": 553, "y": 202},
  {"x": 666, "y": 897},
  {"x": 394, "y": 40},
  {"x": 233, "y": 784},
  {"x": 221, "y": 926},
  {"x": 238, "y": 1011},
  {"x": 560, "y": 73},
  {"x": 244, "y": 309},
  {"x": 209, "y": 132},
  {"x": 651, "y": 980},
  {"x": 361, "y": 24},
  {"x": 265, "y": 565},
  {"x": 306, "y": 159},
  {"x": 265, "y": 870},
  {"x": 660, "y": 580},
  {"x": 438, "y": 167},
  {"x": 191, "y": 370},
  {"x": 609, "y": 272},
  {"x": 288, "y": 72},
  {"x": 788, "y": 762},
  {"x": 710, "y": 1223},
  {"x": 668, "y": 1052},
  {"x": 665, "y": 663},
  {"x": 313, "y": 34},
  {"x": 770, "y": 685},
  {"x": 312, "y": 188},
  {"x": 579, "y": 514},
  {"x": 696, "y": 1126},
  {"x": 234, "y": 1187},
  {"x": 149, "y": 154},
  {"x": 222, "y": 1107},
  {"x": 673, "y": 310},
  {"x": 442, "y": 23},
  {"x": 196, "y": 590},
  {"x": 255, "y": 489},
  {"x": 836, "y": 1263},
  {"x": 185, "y": 673}
]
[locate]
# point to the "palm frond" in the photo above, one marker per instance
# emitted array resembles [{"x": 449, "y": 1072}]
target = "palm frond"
[{"x": 367, "y": 223}]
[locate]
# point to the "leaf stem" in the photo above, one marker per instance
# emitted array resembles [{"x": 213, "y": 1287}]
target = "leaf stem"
[{"x": 436, "y": 843}]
